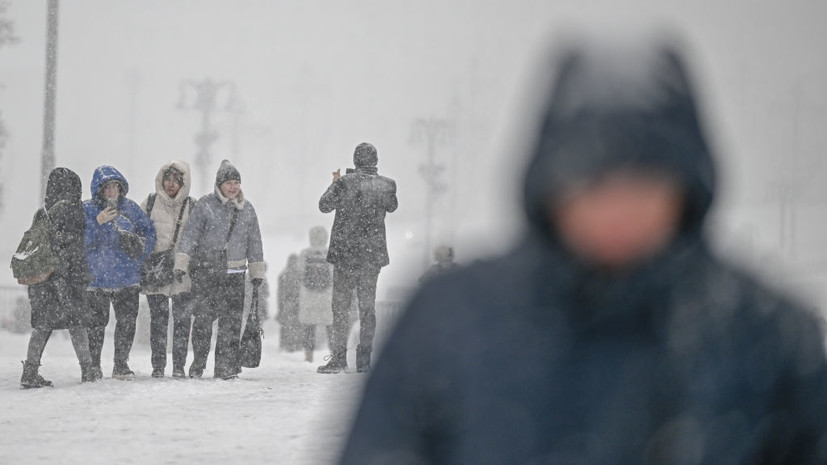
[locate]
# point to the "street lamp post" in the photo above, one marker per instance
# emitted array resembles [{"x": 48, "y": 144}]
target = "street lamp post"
[
  {"x": 433, "y": 132},
  {"x": 206, "y": 101},
  {"x": 47, "y": 161}
]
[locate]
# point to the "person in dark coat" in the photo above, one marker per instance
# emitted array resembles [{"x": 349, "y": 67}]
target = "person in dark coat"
[
  {"x": 60, "y": 301},
  {"x": 287, "y": 297},
  {"x": 611, "y": 334},
  {"x": 119, "y": 237},
  {"x": 358, "y": 251}
]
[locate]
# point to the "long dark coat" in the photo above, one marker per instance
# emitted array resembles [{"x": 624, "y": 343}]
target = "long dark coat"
[
  {"x": 60, "y": 301},
  {"x": 361, "y": 200},
  {"x": 538, "y": 358}
]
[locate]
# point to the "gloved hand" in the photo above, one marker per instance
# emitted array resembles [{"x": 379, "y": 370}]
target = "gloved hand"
[
  {"x": 179, "y": 275},
  {"x": 256, "y": 282}
]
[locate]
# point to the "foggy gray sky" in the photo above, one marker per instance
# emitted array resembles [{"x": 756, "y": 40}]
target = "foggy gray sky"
[{"x": 318, "y": 77}]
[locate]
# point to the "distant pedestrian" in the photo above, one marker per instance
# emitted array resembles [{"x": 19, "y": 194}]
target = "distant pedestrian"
[
  {"x": 316, "y": 295},
  {"x": 358, "y": 251},
  {"x": 444, "y": 257},
  {"x": 119, "y": 237},
  {"x": 287, "y": 296},
  {"x": 220, "y": 245},
  {"x": 169, "y": 209},
  {"x": 60, "y": 302}
]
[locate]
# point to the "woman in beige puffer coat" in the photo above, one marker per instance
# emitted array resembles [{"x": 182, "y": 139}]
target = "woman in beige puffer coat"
[{"x": 170, "y": 202}]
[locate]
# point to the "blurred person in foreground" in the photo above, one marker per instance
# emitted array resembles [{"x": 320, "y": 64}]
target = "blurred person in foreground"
[
  {"x": 612, "y": 333},
  {"x": 358, "y": 252}
]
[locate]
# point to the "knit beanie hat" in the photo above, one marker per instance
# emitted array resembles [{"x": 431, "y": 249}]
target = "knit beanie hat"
[
  {"x": 227, "y": 172},
  {"x": 365, "y": 156}
]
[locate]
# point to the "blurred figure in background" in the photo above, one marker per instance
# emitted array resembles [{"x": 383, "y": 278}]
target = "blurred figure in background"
[
  {"x": 119, "y": 237},
  {"x": 287, "y": 297},
  {"x": 358, "y": 251},
  {"x": 316, "y": 294},
  {"x": 169, "y": 209},
  {"x": 60, "y": 302},
  {"x": 444, "y": 257},
  {"x": 612, "y": 334}
]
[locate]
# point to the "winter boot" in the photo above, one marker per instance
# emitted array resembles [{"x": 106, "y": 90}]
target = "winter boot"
[
  {"x": 121, "y": 371},
  {"x": 196, "y": 371},
  {"x": 363, "y": 359},
  {"x": 336, "y": 363},
  {"x": 97, "y": 372},
  {"x": 178, "y": 372},
  {"x": 157, "y": 372},
  {"x": 308, "y": 356},
  {"x": 31, "y": 379},
  {"x": 89, "y": 373}
]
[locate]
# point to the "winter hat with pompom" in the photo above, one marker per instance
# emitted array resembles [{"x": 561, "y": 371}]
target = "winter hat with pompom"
[{"x": 227, "y": 172}]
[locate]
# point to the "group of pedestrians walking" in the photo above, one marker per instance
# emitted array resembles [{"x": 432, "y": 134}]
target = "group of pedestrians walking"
[{"x": 190, "y": 258}]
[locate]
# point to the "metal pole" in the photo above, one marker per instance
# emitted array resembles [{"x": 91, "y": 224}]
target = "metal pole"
[{"x": 48, "y": 154}]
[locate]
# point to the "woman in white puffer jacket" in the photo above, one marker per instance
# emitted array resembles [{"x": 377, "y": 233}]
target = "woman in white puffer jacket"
[{"x": 170, "y": 202}]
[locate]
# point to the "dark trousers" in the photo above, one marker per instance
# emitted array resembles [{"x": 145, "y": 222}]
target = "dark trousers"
[
  {"x": 159, "y": 309},
  {"x": 223, "y": 301},
  {"x": 125, "y": 303},
  {"x": 345, "y": 281}
]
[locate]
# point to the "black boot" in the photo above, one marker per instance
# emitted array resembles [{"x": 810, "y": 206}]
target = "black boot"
[
  {"x": 196, "y": 371},
  {"x": 121, "y": 371},
  {"x": 158, "y": 372},
  {"x": 89, "y": 373},
  {"x": 337, "y": 363},
  {"x": 31, "y": 379},
  {"x": 363, "y": 359},
  {"x": 178, "y": 372}
]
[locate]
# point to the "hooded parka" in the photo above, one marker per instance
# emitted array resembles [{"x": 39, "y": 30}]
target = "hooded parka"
[
  {"x": 60, "y": 301},
  {"x": 164, "y": 216},
  {"x": 537, "y": 358}
]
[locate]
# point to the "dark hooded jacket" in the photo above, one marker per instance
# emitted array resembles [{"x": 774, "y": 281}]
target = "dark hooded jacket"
[
  {"x": 59, "y": 302},
  {"x": 361, "y": 200},
  {"x": 111, "y": 267},
  {"x": 536, "y": 358}
]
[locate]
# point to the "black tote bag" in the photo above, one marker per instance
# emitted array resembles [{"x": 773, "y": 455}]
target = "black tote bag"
[{"x": 250, "y": 347}]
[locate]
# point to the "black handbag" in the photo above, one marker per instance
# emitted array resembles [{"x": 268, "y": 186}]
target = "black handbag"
[
  {"x": 207, "y": 267},
  {"x": 250, "y": 346},
  {"x": 156, "y": 271}
]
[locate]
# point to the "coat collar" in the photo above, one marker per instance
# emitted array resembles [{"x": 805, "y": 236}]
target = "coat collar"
[{"x": 238, "y": 202}]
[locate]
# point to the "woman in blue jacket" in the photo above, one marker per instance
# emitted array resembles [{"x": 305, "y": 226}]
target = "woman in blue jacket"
[{"x": 119, "y": 237}]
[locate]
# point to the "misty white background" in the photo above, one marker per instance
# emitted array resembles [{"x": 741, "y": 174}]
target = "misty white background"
[{"x": 318, "y": 77}]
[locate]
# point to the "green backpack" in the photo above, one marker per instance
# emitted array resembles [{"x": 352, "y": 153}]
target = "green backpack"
[{"x": 34, "y": 261}]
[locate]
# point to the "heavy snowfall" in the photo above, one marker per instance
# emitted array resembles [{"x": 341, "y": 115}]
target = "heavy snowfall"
[{"x": 449, "y": 95}]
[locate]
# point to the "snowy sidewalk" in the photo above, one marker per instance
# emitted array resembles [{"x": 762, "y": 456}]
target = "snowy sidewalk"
[{"x": 281, "y": 413}]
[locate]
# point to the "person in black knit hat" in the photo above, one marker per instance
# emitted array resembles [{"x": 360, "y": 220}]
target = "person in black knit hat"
[{"x": 358, "y": 251}]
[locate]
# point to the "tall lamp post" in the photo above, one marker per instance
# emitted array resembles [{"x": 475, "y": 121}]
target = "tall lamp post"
[
  {"x": 205, "y": 99},
  {"x": 47, "y": 161},
  {"x": 432, "y": 132}
]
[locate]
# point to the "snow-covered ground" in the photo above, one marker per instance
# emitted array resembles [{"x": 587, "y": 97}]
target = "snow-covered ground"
[{"x": 280, "y": 413}]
